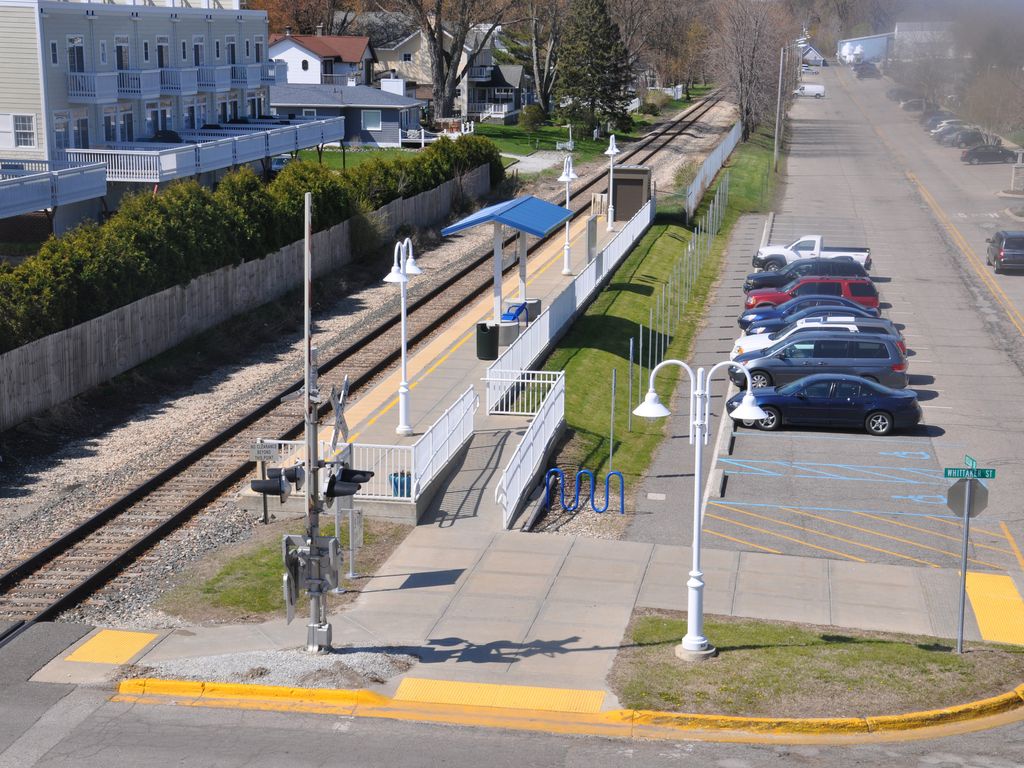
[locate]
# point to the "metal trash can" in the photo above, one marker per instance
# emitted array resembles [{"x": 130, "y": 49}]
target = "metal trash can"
[
  {"x": 401, "y": 484},
  {"x": 508, "y": 332},
  {"x": 533, "y": 309},
  {"x": 486, "y": 341}
]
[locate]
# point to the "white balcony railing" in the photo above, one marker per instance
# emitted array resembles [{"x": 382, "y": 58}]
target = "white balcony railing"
[
  {"x": 274, "y": 72},
  {"x": 340, "y": 78},
  {"x": 246, "y": 75},
  {"x": 138, "y": 83},
  {"x": 208, "y": 150},
  {"x": 488, "y": 108},
  {"x": 215, "y": 79},
  {"x": 180, "y": 82},
  {"x": 92, "y": 87},
  {"x": 33, "y": 186},
  {"x": 479, "y": 73}
]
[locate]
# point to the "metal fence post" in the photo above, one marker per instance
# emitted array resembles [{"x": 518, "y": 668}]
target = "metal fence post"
[{"x": 629, "y": 398}]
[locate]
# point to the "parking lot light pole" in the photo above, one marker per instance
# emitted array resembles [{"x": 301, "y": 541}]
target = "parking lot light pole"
[
  {"x": 778, "y": 101},
  {"x": 612, "y": 151},
  {"x": 568, "y": 176},
  {"x": 403, "y": 266},
  {"x": 694, "y": 645}
]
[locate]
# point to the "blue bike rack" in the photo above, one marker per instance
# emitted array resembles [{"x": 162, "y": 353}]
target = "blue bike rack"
[{"x": 593, "y": 490}]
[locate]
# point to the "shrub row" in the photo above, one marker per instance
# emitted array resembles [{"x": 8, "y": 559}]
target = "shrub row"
[{"x": 156, "y": 241}]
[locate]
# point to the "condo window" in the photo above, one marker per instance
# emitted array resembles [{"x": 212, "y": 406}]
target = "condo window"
[
  {"x": 53, "y": 52},
  {"x": 145, "y": 50},
  {"x": 406, "y": 57},
  {"x": 371, "y": 119},
  {"x": 103, "y": 52},
  {"x": 24, "y": 130}
]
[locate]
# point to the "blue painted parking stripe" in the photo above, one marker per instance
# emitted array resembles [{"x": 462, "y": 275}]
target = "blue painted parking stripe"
[
  {"x": 875, "y": 440},
  {"x": 812, "y": 470},
  {"x": 839, "y": 509}
]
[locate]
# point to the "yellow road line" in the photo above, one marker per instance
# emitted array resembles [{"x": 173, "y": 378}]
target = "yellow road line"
[
  {"x": 960, "y": 526},
  {"x": 111, "y": 646},
  {"x": 781, "y": 536},
  {"x": 741, "y": 541},
  {"x": 869, "y": 532},
  {"x": 415, "y": 689},
  {"x": 997, "y": 607},
  {"x": 1013, "y": 543},
  {"x": 934, "y": 533}
]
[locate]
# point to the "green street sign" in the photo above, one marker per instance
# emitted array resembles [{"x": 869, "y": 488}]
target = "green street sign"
[
  {"x": 969, "y": 472},
  {"x": 970, "y": 462}
]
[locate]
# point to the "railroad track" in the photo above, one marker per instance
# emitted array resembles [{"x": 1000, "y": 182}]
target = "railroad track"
[{"x": 71, "y": 565}]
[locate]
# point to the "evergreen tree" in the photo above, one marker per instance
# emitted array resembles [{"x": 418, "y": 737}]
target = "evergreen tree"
[{"x": 593, "y": 66}]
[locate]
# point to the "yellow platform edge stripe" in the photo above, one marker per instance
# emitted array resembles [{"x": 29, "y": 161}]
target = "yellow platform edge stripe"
[
  {"x": 423, "y": 691},
  {"x": 998, "y": 607},
  {"x": 111, "y": 646}
]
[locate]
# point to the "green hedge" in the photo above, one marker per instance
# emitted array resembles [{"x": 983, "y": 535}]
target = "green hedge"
[{"x": 156, "y": 241}]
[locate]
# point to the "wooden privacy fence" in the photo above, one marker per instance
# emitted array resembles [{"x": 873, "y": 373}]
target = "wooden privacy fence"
[{"x": 55, "y": 368}]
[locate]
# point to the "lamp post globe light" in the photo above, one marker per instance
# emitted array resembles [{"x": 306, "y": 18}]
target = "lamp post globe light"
[
  {"x": 568, "y": 176},
  {"x": 403, "y": 266},
  {"x": 694, "y": 645},
  {"x": 612, "y": 151}
]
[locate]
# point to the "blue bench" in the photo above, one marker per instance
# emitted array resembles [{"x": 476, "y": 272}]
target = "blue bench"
[{"x": 514, "y": 313}]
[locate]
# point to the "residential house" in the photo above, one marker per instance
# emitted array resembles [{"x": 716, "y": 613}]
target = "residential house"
[
  {"x": 324, "y": 59},
  {"x": 811, "y": 55},
  {"x": 373, "y": 116},
  {"x": 139, "y": 94}
]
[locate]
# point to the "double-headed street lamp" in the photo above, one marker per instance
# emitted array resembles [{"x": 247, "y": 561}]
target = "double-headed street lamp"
[
  {"x": 612, "y": 151},
  {"x": 405, "y": 265},
  {"x": 694, "y": 644},
  {"x": 568, "y": 176}
]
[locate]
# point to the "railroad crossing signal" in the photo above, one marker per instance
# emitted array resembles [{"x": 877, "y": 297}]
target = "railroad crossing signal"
[{"x": 957, "y": 494}]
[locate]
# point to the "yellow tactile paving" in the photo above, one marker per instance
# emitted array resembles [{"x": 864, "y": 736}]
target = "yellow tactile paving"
[
  {"x": 998, "y": 607},
  {"x": 416, "y": 689},
  {"x": 111, "y": 646}
]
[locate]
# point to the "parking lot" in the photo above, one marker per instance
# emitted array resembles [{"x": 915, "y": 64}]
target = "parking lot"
[{"x": 862, "y": 172}]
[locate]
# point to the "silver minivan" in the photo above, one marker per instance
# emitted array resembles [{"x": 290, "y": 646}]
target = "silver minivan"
[{"x": 878, "y": 358}]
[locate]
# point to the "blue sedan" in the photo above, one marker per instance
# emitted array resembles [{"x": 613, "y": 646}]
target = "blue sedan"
[
  {"x": 811, "y": 313},
  {"x": 787, "y": 308},
  {"x": 835, "y": 400}
]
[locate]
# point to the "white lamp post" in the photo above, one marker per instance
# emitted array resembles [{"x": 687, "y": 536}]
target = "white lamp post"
[
  {"x": 404, "y": 265},
  {"x": 694, "y": 644},
  {"x": 778, "y": 100},
  {"x": 568, "y": 176},
  {"x": 612, "y": 151}
]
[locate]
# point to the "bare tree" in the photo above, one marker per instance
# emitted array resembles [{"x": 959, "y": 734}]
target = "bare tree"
[
  {"x": 533, "y": 42},
  {"x": 747, "y": 37},
  {"x": 304, "y": 17}
]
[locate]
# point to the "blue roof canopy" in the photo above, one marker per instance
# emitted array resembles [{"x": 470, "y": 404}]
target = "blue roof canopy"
[{"x": 529, "y": 214}]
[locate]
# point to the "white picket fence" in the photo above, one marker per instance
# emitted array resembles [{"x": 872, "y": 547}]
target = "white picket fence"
[
  {"x": 402, "y": 472},
  {"x": 530, "y": 452},
  {"x": 710, "y": 167}
]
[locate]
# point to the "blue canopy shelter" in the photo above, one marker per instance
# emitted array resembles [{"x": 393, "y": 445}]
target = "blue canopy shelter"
[{"x": 529, "y": 215}]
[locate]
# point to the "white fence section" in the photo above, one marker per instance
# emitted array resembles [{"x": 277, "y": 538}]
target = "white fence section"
[
  {"x": 530, "y": 452},
  {"x": 27, "y": 186},
  {"x": 519, "y": 393},
  {"x": 402, "y": 472},
  {"x": 710, "y": 167},
  {"x": 521, "y": 354}
]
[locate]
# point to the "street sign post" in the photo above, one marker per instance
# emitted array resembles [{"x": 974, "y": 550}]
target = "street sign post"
[
  {"x": 969, "y": 461},
  {"x": 969, "y": 497},
  {"x": 969, "y": 472}
]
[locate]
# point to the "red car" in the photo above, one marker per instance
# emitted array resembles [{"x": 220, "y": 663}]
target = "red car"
[{"x": 858, "y": 289}]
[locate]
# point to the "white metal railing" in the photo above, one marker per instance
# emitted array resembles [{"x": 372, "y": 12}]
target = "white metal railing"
[
  {"x": 246, "y": 75},
  {"x": 528, "y": 455},
  {"x": 92, "y": 86},
  {"x": 216, "y": 78},
  {"x": 138, "y": 83},
  {"x": 179, "y": 81},
  {"x": 710, "y": 167},
  {"x": 491, "y": 107},
  {"x": 274, "y": 72},
  {"x": 479, "y": 73},
  {"x": 35, "y": 185},
  {"x": 340, "y": 78},
  {"x": 403, "y": 471},
  {"x": 519, "y": 393}
]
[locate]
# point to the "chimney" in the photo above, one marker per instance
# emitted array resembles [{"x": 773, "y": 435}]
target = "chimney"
[
  {"x": 287, "y": 31},
  {"x": 320, "y": 29},
  {"x": 352, "y": 81}
]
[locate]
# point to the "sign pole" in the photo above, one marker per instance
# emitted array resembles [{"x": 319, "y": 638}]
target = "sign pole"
[{"x": 969, "y": 492}]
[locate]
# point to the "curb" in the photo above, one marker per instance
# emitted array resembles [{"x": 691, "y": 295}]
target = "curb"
[{"x": 624, "y": 723}]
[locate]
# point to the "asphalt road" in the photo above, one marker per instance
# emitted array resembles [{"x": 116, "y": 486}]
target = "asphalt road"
[{"x": 862, "y": 172}]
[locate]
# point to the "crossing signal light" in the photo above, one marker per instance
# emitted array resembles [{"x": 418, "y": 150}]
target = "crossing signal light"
[
  {"x": 346, "y": 482},
  {"x": 279, "y": 482}
]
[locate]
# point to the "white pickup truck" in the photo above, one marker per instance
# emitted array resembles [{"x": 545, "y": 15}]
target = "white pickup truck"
[{"x": 775, "y": 257}]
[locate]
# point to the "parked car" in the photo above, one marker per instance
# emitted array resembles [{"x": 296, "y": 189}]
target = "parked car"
[
  {"x": 278, "y": 162},
  {"x": 872, "y": 326},
  {"x": 970, "y": 137},
  {"x": 816, "y": 312},
  {"x": 858, "y": 289},
  {"x": 832, "y": 400},
  {"x": 810, "y": 89},
  {"x": 916, "y": 105},
  {"x": 900, "y": 93},
  {"x": 941, "y": 134},
  {"x": 876, "y": 358},
  {"x": 937, "y": 123},
  {"x": 773, "y": 257},
  {"x": 867, "y": 70},
  {"x": 842, "y": 267},
  {"x": 791, "y": 307},
  {"x": 928, "y": 114},
  {"x": 1005, "y": 250},
  {"x": 988, "y": 153}
]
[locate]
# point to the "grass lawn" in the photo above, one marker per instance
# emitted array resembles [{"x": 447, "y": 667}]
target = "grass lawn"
[
  {"x": 354, "y": 157},
  {"x": 244, "y": 583},
  {"x": 599, "y": 340},
  {"x": 1017, "y": 137},
  {"x": 790, "y": 670}
]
